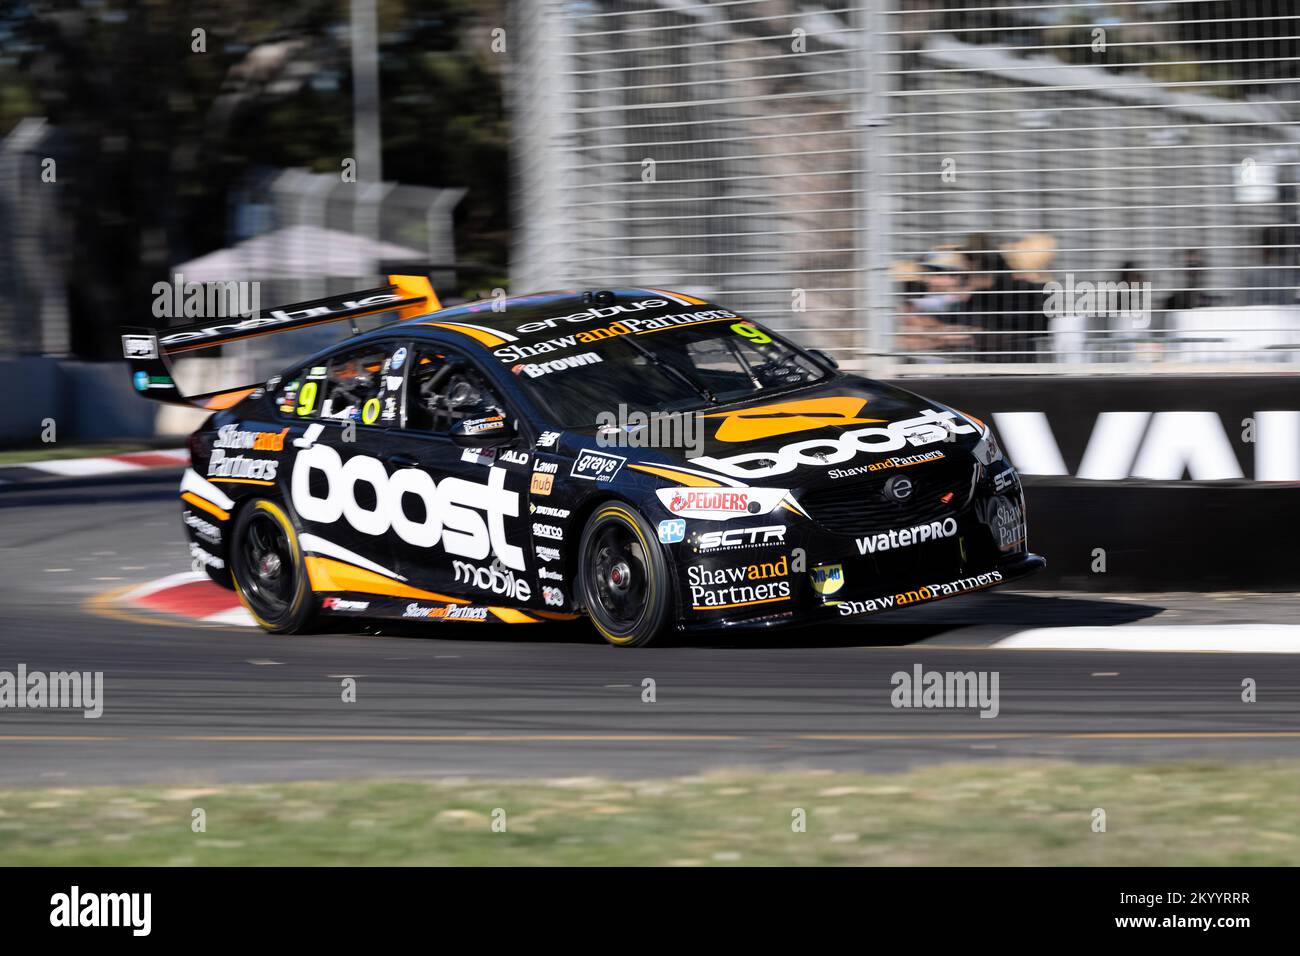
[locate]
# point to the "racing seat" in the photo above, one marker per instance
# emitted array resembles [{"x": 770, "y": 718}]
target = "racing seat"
[{"x": 445, "y": 394}]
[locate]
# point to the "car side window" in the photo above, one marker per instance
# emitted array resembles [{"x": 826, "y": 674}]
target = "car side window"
[
  {"x": 446, "y": 388},
  {"x": 300, "y": 395},
  {"x": 362, "y": 385}
]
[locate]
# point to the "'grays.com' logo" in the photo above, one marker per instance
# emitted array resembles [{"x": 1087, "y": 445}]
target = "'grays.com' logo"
[{"x": 596, "y": 465}]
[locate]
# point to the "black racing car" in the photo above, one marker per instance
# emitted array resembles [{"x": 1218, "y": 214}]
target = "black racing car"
[{"x": 645, "y": 458}]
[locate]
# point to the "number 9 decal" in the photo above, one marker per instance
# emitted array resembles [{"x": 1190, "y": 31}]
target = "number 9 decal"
[
  {"x": 307, "y": 399},
  {"x": 754, "y": 335}
]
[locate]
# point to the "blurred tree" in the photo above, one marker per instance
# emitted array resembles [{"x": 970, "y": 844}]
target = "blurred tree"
[
  {"x": 1255, "y": 32},
  {"x": 162, "y": 121},
  {"x": 444, "y": 115}
]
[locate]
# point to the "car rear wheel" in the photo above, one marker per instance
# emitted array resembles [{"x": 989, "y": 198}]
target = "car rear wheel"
[
  {"x": 623, "y": 577},
  {"x": 267, "y": 565}
]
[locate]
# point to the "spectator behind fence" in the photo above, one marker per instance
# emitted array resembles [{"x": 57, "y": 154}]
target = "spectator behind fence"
[
  {"x": 1188, "y": 292},
  {"x": 1276, "y": 280},
  {"x": 931, "y": 317},
  {"x": 1007, "y": 309},
  {"x": 1137, "y": 333}
]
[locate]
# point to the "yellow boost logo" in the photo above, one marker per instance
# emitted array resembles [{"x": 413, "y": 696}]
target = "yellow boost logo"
[{"x": 767, "y": 421}]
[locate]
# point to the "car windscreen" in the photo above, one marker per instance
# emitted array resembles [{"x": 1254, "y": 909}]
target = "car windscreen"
[{"x": 664, "y": 370}]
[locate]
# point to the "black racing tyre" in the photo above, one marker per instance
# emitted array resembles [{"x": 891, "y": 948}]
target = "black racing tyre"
[
  {"x": 267, "y": 565},
  {"x": 623, "y": 577}
]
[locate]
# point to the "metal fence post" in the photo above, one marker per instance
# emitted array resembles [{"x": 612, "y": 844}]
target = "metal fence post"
[{"x": 874, "y": 310}]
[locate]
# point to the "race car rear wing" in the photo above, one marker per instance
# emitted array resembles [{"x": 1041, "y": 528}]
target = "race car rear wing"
[{"x": 149, "y": 351}]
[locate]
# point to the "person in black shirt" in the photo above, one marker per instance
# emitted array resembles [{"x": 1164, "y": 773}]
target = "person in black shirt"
[
  {"x": 1190, "y": 295},
  {"x": 1009, "y": 311}
]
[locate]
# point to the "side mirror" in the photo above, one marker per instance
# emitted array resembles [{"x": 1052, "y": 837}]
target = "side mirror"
[
  {"x": 487, "y": 430},
  {"x": 825, "y": 357}
]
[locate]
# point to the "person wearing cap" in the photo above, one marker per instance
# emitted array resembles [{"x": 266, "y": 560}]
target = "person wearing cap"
[{"x": 932, "y": 301}]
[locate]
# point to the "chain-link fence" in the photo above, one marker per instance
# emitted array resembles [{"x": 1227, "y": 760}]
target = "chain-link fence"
[{"x": 922, "y": 185}]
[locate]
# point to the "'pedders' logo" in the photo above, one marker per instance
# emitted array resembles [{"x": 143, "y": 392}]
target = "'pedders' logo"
[
  {"x": 720, "y": 504},
  {"x": 733, "y": 502},
  {"x": 466, "y": 517}
]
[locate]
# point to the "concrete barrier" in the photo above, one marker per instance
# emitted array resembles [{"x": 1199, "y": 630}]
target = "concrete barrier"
[
  {"x": 85, "y": 401},
  {"x": 1163, "y": 536},
  {"x": 1155, "y": 483}
]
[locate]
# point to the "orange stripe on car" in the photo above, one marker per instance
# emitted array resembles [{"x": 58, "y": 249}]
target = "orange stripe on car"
[
  {"x": 679, "y": 295},
  {"x": 227, "y": 399},
  {"x": 490, "y": 339},
  {"x": 681, "y": 477},
  {"x": 326, "y": 574},
  {"x": 723, "y": 607},
  {"x": 207, "y": 506},
  {"x": 512, "y": 616}
]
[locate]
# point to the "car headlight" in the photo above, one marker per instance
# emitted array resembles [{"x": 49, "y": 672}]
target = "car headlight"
[{"x": 987, "y": 450}]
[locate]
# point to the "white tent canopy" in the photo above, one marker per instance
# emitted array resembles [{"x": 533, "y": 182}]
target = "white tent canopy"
[{"x": 296, "y": 252}]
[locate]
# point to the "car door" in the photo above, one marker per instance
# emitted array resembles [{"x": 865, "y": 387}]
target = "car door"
[
  {"x": 460, "y": 515},
  {"x": 349, "y": 402}
]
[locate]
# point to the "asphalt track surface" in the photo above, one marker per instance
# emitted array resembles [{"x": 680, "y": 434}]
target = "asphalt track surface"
[{"x": 193, "y": 704}]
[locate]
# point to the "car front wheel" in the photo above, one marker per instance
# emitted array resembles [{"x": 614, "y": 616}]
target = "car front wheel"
[{"x": 624, "y": 577}]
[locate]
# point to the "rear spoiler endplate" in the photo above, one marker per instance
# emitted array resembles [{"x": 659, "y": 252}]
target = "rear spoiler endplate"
[{"x": 148, "y": 352}]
